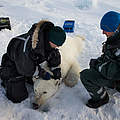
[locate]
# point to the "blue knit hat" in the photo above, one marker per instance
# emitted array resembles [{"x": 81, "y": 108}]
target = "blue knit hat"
[
  {"x": 57, "y": 35},
  {"x": 110, "y": 21}
]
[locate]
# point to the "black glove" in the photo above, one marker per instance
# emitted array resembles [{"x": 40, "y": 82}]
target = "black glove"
[
  {"x": 93, "y": 63},
  {"x": 54, "y": 59},
  {"x": 57, "y": 73},
  {"x": 43, "y": 74},
  {"x": 46, "y": 76}
]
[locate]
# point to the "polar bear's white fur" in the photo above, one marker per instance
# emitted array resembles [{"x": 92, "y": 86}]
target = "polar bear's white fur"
[
  {"x": 70, "y": 66},
  {"x": 70, "y": 69}
]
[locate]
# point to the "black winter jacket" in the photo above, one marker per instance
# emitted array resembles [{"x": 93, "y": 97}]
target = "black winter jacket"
[
  {"x": 32, "y": 48},
  {"x": 108, "y": 64}
]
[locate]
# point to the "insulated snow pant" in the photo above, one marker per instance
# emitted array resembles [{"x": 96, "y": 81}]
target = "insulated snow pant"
[
  {"x": 94, "y": 82},
  {"x": 14, "y": 83}
]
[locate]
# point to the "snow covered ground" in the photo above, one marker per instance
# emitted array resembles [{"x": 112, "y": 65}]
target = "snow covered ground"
[{"x": 68, "y": 103}]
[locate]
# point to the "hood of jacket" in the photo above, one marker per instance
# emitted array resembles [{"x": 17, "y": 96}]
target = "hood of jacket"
[{"x": 38, "y": 37}]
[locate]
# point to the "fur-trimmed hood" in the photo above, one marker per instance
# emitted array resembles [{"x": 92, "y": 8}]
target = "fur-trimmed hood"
[{"x": 40, "y": 26}]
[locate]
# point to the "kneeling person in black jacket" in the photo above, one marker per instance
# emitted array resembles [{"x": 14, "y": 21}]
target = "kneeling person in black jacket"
[{"x": 24, "y": 55}]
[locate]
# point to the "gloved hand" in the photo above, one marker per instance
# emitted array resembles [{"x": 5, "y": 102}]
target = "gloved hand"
[
  {"x": 93, "y": 63},
  {"x": 57, "y": 73},
  {"x": 43, "y": 74},
  {"x": 46, "y": 76},
  {"x": 54, "y": 59}
]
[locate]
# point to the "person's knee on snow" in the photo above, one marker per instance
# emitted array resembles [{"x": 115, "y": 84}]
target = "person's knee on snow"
[
  {"x": 16, "y": 90},
  {"x": 83, "y": 76}
]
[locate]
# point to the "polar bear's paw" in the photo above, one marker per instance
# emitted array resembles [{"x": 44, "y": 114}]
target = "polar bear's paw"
[{"x": 72, "y": 76}]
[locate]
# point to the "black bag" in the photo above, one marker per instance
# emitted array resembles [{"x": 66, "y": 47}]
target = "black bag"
[
  {"x": 16, "y": 90},
  {"x": 5, "y": 23}
]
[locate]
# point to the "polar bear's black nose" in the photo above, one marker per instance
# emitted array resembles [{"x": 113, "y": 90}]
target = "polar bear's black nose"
[{"x": 45, "y": 92}]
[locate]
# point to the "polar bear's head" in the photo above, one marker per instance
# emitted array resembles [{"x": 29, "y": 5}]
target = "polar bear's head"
[{"x": 44, "y": 89}]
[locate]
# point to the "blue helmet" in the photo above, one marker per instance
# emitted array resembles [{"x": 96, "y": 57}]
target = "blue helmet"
[{"x": 110, "y": 21}]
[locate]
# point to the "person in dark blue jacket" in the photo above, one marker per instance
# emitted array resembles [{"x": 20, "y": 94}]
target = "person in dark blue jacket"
[{"x": 28, "y": 51}]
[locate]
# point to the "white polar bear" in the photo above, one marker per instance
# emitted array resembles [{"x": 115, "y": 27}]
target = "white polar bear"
[{"x": 70, "y": 68}]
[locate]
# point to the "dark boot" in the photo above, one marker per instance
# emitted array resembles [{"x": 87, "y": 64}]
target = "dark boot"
[{"x": 95, "y": 104}]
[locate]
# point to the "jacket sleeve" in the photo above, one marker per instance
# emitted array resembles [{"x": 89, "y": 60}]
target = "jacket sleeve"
[
  {"x": 110, "y": 67},
  {"x": 94, "y": 63},
  {"x": 117, "y": 74},
  {"x": 24, "y": 64}
]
